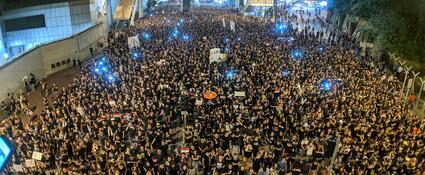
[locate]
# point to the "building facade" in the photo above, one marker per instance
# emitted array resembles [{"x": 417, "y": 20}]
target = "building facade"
[{"x": 30, "y": 23}]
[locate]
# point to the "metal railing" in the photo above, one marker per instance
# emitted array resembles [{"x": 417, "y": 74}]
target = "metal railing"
[{"x": 412, "y": 87}]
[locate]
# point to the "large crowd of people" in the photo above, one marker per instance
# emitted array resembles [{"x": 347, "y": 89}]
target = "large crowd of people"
[{"x": 299, "y": 93}]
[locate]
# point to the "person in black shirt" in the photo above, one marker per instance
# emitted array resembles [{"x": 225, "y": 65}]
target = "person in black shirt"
[
  {"x": 247, "y": 151},
  {"x": 131, "y": 105},
  {"x": 257, "y": 161}
]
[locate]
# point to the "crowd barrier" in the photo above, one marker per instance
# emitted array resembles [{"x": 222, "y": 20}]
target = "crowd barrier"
[{"x": 413, "y": 86}]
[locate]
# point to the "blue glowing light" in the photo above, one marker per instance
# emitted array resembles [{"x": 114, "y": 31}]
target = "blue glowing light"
[
  {"x": 226, "y": 40},
  {"x": 326, "y": 85},
  {"x": 186, "y": 38},
  {"x": 230, "y": 74},
  {"x": 105, "y": 69},
  {"x": 323, "y": 3},
  {"x": 290, "y": 39},
  {"x": 110, "y": 78},
  {"x": 96, "y": 70},
  {"x": 146, "y": 36},
  {"x": 297, "y": 54},
  {"x": 175, "y": 33},
  {"x": 6, "y": 150},
  {"x": 100, "y": 63},
  {"x": 321, "y": 49},
  {"x": 280, "y": 27},
  {"x": 238, "y": 38},
  {"x": 5, "y": 55},
  {"x": 181, "y": 20},
  {"x": 136, "y": 54},
  {"x": 285, "y": 73}
]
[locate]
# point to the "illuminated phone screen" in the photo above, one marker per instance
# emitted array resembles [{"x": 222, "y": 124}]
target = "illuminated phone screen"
[{"x": 6, "y": 149}]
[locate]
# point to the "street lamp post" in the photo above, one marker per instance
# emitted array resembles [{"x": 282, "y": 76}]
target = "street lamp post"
[
  {"x": 140, "y": 8},
  {"x": 391, "y": 55},
  {"x": 405, "y": 79},
  {"x": 410, "y": 88},
  {"x": 414, "y": 79},
  {"x": 420, "y": 93},
  {"x": 396, "y": 59}
]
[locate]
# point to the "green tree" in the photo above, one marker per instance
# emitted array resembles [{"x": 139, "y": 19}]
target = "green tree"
[{"x": 392, "y": 25}]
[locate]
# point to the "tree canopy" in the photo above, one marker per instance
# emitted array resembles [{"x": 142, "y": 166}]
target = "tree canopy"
[{"x": 393, "y": 25}]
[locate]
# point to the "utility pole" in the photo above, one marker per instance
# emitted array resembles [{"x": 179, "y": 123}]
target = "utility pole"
[
  {"x": 420, "y": 93},
  {"x": 405, "y": 78},
  {"x": 140, "y": 8},
  {"x": 414, "y": 78}
]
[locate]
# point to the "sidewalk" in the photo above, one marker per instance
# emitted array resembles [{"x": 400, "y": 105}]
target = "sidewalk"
[{"x": 61, "y": 79}]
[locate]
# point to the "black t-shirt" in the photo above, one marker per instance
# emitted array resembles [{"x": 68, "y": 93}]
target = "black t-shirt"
[
  {"x": 131, "y": 132},
  {"x": 216, "y": 143},
  {"x": 247, "y": 153},
  {"x": 256, "y": 164},
  {"x": 255, "y": 146},
  {"x": 162, "y": 171},
  {"x": 225, "y": 144},
  {"x": 220, "y": 167},
  {"x": 207, "y": 164},
  {"x": 278, "y": 150},
  {"x": 227, "y": 159},
  {"x": 204, "y": 146}
]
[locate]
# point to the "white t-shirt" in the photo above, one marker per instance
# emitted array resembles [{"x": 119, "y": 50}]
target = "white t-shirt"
[{"x": 310, "y": 150}]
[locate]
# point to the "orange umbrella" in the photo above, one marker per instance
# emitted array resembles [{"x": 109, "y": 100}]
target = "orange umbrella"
[
  {"x": 411, "y": 98},
  {"x": 416, "y": 131},
  {"x": 209, "y": 95}
]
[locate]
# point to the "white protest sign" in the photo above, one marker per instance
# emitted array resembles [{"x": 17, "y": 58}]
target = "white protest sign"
[
  {"x": 37, "y": 155},
  {"x": 29, "y": 163},
  {"x": 133, "y": 41},
  {"x": 160, "y": 62},
  {"x": 224, "y": 22},
  {"x": 198, "y": 102},
  {"x": 215, "y": 55},
  {"x": 17, "y": 168},
  {"x": 223, "y": 57},
  {"x": 232, "y": 25},
  {"x": 239, "y": 94},
  {"x": 214, "y": 51}
]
